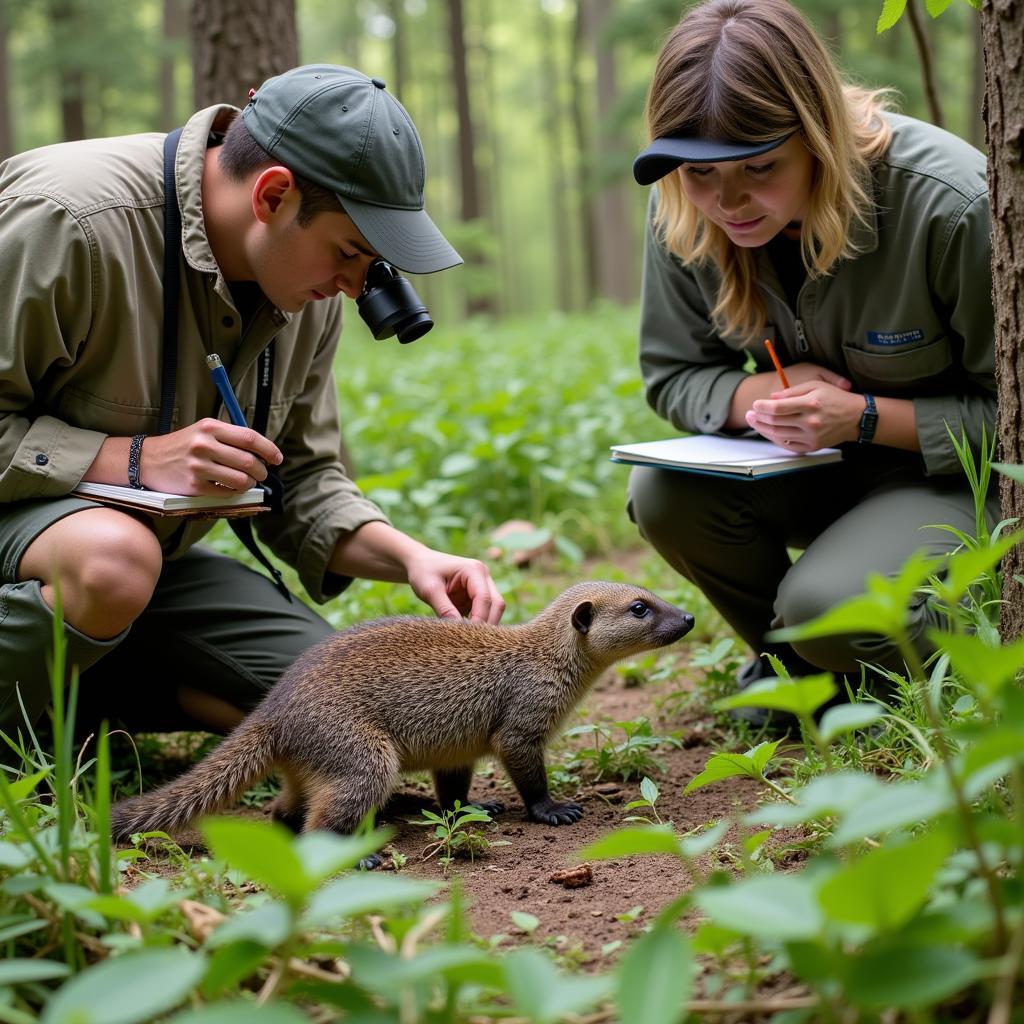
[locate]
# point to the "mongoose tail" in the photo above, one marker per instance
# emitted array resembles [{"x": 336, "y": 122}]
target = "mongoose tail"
[{"x": 243, "y": 758}]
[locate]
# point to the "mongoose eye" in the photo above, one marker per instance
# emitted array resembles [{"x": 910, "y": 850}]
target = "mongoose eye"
[{"x": 639, "y": 609}]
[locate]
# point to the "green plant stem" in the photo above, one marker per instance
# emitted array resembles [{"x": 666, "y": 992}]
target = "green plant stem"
[
  {"x": 812, "y": 730},
  {"x": 778, "y": 790},
  {"x": 963, "y": 807},
  {"x": 1003, "y": 1003}
]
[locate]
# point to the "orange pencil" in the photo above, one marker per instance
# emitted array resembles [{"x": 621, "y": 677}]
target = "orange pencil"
[{"x": 775, "y": 359}]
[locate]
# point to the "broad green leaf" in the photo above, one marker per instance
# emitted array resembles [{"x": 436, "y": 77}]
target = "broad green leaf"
[
  {"x": 1009, "y": 469},
  {"x": 845, "y": 718},
  {"x": 232, "y": 964},
  {"x": 362, "y": 893},
  {"x": 143, "y": 904},
  {"x": 909, "y": 978},
  {"x": 16, "y": 970},
  {"x": 894, "y": 806},
  {"x": 542, "y": 993},
  {"x": 269, "y": 924},
  {"x": 965, "y": 566},
  {"x": 727, "y": 766},
  {"x": 25, "y": 787},
  {"x": 998, "y": 742},
  {"x": 833, "y": 794},
  {"x": 383, "y": 973},
  {"x": 525, "y": 922},
  {"x": 325, "y": 853},
  {"x": 763, "y": 753},
  {"x": 770, "y": 906},
  {"x": 886, "y": 887},
  {"x": 649, "y": 790},
  {"x": 127, "y": 989},
  {"x": 264, "y": 850},
  {"x": 13, "y": 856},
  {"x": 799, "y": 696},
  {"x": 242, "y": 1011},
  {"x": 892, "y": 11},
  {"x": 654, "y": 978},
  {"x": 625, "y": 842},
  {"x": 978, "y": 663},
  {"x": 936, "y": 7},
  {"x": 697, "y": 845},
  {"x": 457, "y": 463}
]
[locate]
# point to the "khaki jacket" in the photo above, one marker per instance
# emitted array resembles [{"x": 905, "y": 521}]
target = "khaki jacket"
[
  {"x": 81, "y": 253},
  {"x": 909, "y": 317}
]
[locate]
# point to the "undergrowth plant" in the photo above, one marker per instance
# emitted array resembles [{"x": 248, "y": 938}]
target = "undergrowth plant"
[{"x": 454, "y": 835}]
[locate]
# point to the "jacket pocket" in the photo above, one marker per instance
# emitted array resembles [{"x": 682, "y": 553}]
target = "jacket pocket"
[
  {"x": 895, "y": 371},
  {"x": 81, "y": 408}
]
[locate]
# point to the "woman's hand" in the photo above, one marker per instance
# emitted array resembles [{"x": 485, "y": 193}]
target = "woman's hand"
[
  {"x": 808, "y": 415},
  {"x": 454, "y": 586},
  {"x": 765, "y": 385}
]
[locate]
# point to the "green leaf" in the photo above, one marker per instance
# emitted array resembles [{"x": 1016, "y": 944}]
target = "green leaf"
[
  {"x": 727, "y": 766},
  {"x": 965, "y": 566},
  {"x": 14, "y": 971},
  {"x": 845, "y": 718},
  {"x": 625, "y": 842},
  {"x": 996, "y": 743},
  {"x": 232, "y": 964},
  {"x": 264, "y": 850},
  {"x": 269, "y": 924},
  {"x": 936, "y": 7},
  {"x": 980, "y": 664},
  {"x": 13, "y": 856},
  {"x": 383, "y": 973},
  {"x": 543, "y": 994},
  {"x": 649, "y": 790},
  {"x": 897, "y": 977},
  {"x": 697, "y": 845},
  {"x": 799, "y": 696},
  {"x": 525, "y": 922},
  {"x": 242, "y": 1011},
  {"x": 457, "y": 463},
  {"x": 769, "y": 906},
  {"x": 894, "y": 806},
  {"x": 25, "y": 787},
  {"x": 362, "y": 893},
  {"x": 655, "y": 978},
  {"x": 888, "y": 885},
  {"x": 1009, "y": 469},
  {"x": 142, "y": 905},
  {"x": 326, "y": 853},
  {"x": 127, "y": 989},
  {"x": 892, "y": 11},
  {"x": 834, "y": 794}
]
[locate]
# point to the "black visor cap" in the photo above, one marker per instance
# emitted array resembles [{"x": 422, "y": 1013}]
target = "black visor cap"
[{"x": 664, "y": 155}]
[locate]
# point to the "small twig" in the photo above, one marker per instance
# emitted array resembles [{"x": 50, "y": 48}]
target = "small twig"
[
  {"x": 414, "y": 934},
  {"x": 1003, "y": 1003},
  {"x": 270, "y": 985},
  {"x": 385, "y": 941},
  {"x": 300, "y": 967}
]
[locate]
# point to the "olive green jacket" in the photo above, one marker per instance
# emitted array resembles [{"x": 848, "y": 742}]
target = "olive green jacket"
[
  {"x": 81, "y": 238},
  {"x": 909, "y": 317}
]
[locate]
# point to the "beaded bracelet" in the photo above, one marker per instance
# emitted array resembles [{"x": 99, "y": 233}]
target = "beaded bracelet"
[{"x": 134, "y": 455}]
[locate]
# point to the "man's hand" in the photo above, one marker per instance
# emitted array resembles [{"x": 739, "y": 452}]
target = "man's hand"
[
  {"x": 455, "y": 587},
  {"x": 810, "y": 415},
  {"x": 207, "y": 456}
]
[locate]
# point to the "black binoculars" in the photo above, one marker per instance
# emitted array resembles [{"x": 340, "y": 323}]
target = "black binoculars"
[{"x": 389, "y": 305}]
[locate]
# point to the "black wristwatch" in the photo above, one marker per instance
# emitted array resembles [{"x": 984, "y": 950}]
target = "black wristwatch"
[{"x": 868, "y": 421}]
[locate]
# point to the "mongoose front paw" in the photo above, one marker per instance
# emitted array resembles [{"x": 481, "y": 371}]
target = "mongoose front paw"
[
  {"x": 550, "y": 812},
  {"x": 369, "y": 863}
]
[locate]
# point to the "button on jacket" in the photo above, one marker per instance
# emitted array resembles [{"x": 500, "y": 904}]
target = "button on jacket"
[
  {"x": 910, "y": 316},
  {"x": 81, "y": 254}
]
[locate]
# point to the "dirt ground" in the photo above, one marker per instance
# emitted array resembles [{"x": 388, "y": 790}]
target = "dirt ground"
[{"x": 587, "y": 924}]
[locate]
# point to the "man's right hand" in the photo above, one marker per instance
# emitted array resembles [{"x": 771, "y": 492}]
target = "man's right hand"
[{"x": 198, "y": 459}]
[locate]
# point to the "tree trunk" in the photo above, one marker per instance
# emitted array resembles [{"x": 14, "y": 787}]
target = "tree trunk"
[
  {"x": 1003, "y": 33},
  {"x": 618, "y": 273},
  {"x": 71, "y": 79},
  {"x": 174, "y": 25},
  {"x": 6, "y": 128},
  {"x": 237, "y": 45},
  {"x": 976, "y": 115},
  {"x": 585, "y": 171}
]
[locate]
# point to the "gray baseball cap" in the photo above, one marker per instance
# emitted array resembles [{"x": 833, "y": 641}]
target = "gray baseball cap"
[
  {"x": 664, "y": 155},
  {"x": 346, "y": 132}
]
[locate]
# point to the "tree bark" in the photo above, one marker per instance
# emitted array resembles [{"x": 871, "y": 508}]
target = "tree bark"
[
  {"x": 71, "y": 79},
  {"x": 237, "y": 45},
  {"x": 585, "y": 172},
  {"x": 1003, "y": 33},
  {"x": 6, "y": 127},
  {"x": 174, "y": 25},
  {"x": 976, "y": 116}
]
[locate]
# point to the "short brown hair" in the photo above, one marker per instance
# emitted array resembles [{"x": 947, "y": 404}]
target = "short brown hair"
[{"x": 241, "y": 154}]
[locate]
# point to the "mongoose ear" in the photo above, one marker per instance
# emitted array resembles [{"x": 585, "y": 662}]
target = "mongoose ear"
[{"x": 583, "y": 616}]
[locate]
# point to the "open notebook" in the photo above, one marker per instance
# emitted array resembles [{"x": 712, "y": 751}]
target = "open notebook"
[
  {"x": 231, "y": 503},
  {"x": 733, "y": 456}
]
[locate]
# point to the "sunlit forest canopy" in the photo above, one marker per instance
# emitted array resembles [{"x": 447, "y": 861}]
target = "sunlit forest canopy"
[{"x": 556, "y": 91}]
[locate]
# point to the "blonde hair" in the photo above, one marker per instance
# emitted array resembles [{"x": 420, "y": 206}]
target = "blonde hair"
[{"x": 754, "y": 71}]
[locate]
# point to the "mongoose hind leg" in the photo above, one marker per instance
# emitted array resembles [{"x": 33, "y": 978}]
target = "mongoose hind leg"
[
  {"x": 524, "y": 761},
  {"x": 451, "y": 784},
  {"x": 289, "y": 806}
]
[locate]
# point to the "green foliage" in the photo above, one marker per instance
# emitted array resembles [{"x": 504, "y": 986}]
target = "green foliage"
[
  {"x": 453, "y": 836},
  {"x": 631, "y": 757}
]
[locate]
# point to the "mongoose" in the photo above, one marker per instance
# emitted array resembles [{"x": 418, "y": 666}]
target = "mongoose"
[{"x": 413, "y": 693}]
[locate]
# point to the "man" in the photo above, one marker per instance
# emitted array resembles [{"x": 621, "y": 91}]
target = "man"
[{"x": 283, "y": 208}]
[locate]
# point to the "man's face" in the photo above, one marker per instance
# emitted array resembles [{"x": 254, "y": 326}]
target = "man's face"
[
  {"x": 753, "y": 200},
  {"x": 294, "y": 265}
]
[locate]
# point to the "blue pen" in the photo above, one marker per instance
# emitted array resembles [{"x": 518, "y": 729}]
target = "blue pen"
[{"x": 220, "y": 378}]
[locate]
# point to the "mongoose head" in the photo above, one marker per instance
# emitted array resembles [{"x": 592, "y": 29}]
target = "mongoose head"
[{"x": 617, "y": 620}]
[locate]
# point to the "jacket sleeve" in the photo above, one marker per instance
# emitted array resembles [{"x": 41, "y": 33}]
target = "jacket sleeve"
[
  {"x": 321, "y": 502},
  {"x": 688, "y": 373},
  {"x": 47, "y": 285},
  {"x": 963, "y": 291}
]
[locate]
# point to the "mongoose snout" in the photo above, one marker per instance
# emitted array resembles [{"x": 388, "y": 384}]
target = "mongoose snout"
[{"x": 415, "y": 693}]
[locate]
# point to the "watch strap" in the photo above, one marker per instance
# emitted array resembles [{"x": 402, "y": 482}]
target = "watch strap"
[{"x": 868, "y": 420}]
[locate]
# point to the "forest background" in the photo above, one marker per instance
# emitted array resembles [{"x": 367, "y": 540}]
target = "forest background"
[{"x": 530, "y": 111}]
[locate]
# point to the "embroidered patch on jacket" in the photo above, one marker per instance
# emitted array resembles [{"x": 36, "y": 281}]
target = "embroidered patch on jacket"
[{"x": 893, "y": 339}]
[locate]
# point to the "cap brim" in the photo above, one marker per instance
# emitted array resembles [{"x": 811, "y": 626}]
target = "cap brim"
[
  {"x": 407, "y": 239},
  {"x": 664, "y": 155}
]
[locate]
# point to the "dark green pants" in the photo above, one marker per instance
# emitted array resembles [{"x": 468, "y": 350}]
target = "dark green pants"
[
  {"x": 212, "y": 625},
  {"x": 867, "y": 514}
]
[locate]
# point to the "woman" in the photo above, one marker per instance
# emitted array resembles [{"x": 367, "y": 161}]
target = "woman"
[{"x": 793, "y": 207}]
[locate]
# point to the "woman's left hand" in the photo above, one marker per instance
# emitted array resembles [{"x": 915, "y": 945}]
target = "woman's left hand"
[{"x": 808, "y": 416}]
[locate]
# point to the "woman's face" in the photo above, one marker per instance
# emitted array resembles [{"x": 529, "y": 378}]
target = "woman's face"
[{"x": 753, "y": 200}]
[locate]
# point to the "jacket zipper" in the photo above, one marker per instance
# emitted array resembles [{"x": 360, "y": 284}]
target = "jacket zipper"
[{"x": 801, "y": 338}]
